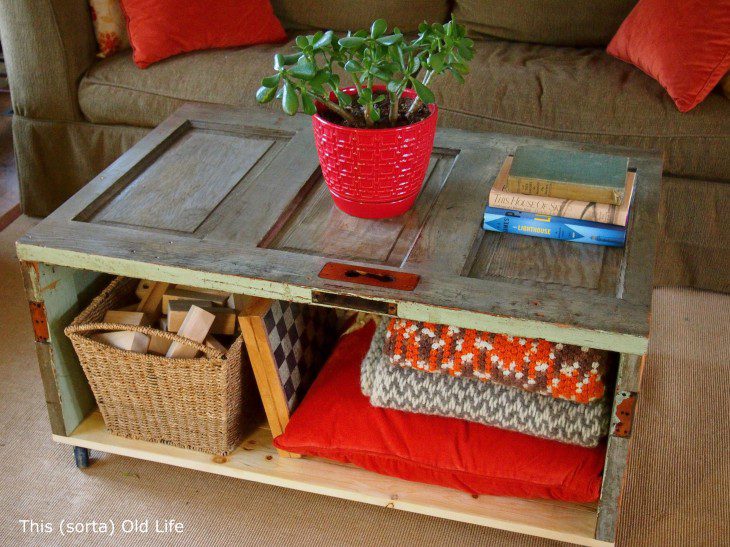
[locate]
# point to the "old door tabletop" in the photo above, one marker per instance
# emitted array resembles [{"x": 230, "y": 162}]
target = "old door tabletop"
[{"x": 234, "y": 199}]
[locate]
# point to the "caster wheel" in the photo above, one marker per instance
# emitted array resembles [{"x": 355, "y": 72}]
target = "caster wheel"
[{"x": 81, "y": 457}]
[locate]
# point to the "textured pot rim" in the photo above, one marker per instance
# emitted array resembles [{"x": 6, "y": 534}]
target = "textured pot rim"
[{"x": 433, "y": 107}]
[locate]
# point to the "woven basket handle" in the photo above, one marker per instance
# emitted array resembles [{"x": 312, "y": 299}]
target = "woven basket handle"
[{"x": 88, "y": 327}]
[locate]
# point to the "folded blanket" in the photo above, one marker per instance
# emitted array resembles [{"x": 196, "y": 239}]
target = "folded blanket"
[
  {"x": 486, "y": 403},
  {"x": 561, "y": 371}
]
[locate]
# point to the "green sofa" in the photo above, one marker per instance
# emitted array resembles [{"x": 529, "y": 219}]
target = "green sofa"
[{"x": 74, "y": 113}]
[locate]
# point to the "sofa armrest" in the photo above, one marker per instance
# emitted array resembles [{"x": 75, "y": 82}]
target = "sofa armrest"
[{"x": 48, "y": 45}]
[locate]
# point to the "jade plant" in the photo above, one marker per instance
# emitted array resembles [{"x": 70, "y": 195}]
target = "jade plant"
[{"x": 323, "y": 64}]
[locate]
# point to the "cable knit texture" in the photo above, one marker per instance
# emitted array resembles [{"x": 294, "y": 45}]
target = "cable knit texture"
[
  {"x": 486, "y": 403},
  {"x": 562, "y": 371}
]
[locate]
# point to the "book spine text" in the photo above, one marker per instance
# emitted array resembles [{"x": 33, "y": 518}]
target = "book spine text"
[
  {"x": 579, "y": 210},
  {"x": 562, "y": 190},
  {"x": 517, "y": 222}
]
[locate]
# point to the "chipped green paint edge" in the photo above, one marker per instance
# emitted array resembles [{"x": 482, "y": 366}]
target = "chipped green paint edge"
[
  {"x": 64, "y": 292},
  {"x": 623, "y": 343},
  {"x": 169, "y": 274}
]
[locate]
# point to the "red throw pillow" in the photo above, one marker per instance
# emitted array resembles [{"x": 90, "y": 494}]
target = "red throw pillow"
[
  {"x": 336, "y": 421},
  {"x": 161, "y": 28},
  {"x": 682, "y": 44}
]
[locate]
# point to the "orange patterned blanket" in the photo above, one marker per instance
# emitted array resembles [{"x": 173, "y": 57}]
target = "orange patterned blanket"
[{"x": 559, "y": 370}]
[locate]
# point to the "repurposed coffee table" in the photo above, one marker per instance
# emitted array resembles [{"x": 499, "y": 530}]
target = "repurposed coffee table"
[{"x": 234, "y": 200}]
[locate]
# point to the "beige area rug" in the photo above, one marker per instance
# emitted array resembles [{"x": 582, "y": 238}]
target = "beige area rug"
[{"x": 678, "y": 490}]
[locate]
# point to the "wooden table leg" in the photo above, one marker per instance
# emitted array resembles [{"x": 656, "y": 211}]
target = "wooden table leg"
[
  {"x": 56, "y": 294},
  {"x": 626, "y": 397}
]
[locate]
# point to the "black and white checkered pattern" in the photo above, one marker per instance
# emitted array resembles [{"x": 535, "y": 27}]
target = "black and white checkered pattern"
[{"x": 301, "y": 339}]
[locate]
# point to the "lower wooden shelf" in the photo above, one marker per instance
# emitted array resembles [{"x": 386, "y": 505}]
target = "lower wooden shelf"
[{"x": 256, "y": 460}]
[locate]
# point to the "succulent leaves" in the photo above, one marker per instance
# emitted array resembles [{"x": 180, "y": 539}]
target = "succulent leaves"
[{"x": 365, "y": 58}]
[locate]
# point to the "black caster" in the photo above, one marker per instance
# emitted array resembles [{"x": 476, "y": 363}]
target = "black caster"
[{"x": 81, "y": 457}]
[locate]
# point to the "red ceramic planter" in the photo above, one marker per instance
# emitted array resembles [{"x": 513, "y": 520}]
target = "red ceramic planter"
[{"x": 375, "y": 173}]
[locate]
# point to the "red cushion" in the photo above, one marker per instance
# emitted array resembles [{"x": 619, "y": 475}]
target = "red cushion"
[
  {"x": 335, "y": 420},
  {"x": 161, "y": 28},
  {"x": 682, "y": 44}
]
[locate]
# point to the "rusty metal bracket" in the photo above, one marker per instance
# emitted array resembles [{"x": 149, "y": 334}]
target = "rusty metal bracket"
[
  {"x": 622, "y": 420},
  {"x": 40, "y": 323}
]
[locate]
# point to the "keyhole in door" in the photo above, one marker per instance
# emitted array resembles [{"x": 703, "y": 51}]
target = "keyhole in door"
[{"x": 383, "y": 278}]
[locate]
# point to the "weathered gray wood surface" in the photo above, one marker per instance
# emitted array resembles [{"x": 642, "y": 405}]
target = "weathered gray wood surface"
[
  {"x": 551, "y": 261},
  {"x": 316, "y": 228},
  {"x": 235, "y": 198}
]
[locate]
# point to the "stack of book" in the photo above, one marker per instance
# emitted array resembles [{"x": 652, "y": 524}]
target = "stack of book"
[{"x": 580, "y": 197}]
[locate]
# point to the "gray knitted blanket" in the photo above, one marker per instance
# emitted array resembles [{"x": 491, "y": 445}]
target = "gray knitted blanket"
[{"x": 412, "y": 390}]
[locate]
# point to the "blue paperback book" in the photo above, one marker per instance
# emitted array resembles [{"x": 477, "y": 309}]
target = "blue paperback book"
[{"x": 567, "y": 229}]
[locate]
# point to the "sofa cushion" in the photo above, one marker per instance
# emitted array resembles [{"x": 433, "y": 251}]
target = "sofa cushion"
[
  {"x": 552, "y": 22},
  {"x": 115, "y": 91},
  {"x": 348, "y": 15},
  {"x": 684, "y": 45},
  {"x": 525, "y": 89},
  {"x": 585, "y": 95},
  {"x": 159, "y": 29},
  {"x": 109, "y": 26}
]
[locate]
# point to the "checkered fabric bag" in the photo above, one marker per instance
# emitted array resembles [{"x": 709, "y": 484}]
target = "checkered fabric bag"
[
  {"x": 561, "y": 371},
  {"x": 301, "y": 338}
]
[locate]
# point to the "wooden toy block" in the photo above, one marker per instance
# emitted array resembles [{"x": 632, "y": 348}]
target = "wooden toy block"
[
  {"x": 159, "y": 345},
  {"x": 143, "y": 288},
  {"x": 151, "y": 304},
  {"x": 238, "y": 302},
  {"x": 199, "y": 289},
  {"x": 185, "y": 294},
  {"x": 195, "y": 326},
  {"x": 225, "y": 318},
  {"x": 212, "y": 342},
  {"x": 130, "y": 307},
  {"x": 126, "y": 317},
  {"x": 126, "y": 340}
]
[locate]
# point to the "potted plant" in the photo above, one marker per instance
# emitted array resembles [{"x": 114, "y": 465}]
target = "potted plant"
[{"x": 373, "y": 113}]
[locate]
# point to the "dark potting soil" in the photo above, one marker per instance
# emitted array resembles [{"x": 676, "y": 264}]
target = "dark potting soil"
[{"x": 421, "y": 113}]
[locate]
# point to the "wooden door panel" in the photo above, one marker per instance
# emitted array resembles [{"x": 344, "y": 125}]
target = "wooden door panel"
[
  {"x": 318, "y": 227},
  {"x": 248, "y": 215},
  {"x": 551, "y": 261},
  {"x": 237, "y": 195},
  {"x": 179, "y": 190}
]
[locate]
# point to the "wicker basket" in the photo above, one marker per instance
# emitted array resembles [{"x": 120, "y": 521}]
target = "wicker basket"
[{"x": 191, "y": 403}]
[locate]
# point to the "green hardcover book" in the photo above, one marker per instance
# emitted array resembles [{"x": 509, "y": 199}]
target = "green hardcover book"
[{"x": 566, "y": 174}]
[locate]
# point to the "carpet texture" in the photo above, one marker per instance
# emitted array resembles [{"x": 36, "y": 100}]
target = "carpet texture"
[{"x": 677, "y": 491}]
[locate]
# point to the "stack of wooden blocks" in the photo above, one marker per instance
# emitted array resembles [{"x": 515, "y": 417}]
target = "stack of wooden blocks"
[{"x": 205, "y": 316}]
